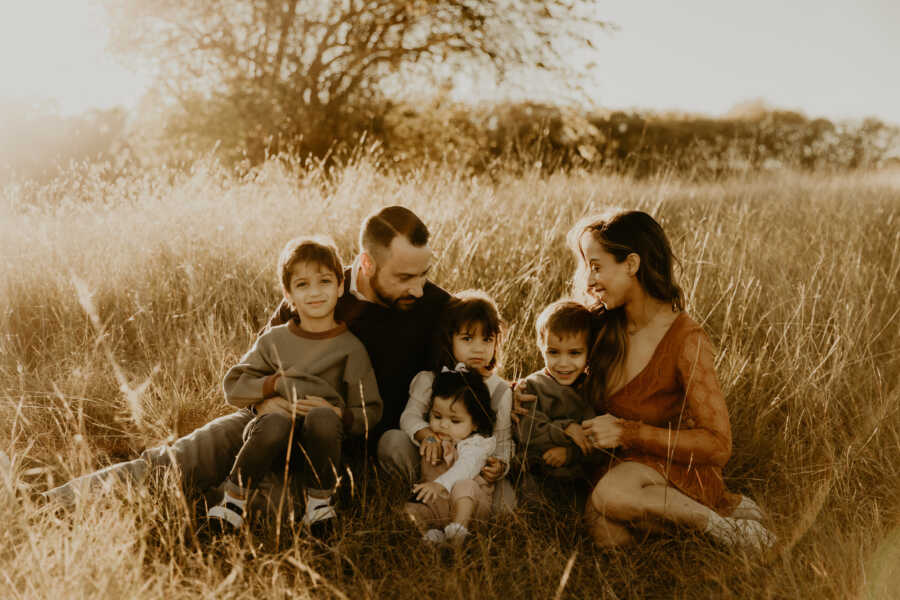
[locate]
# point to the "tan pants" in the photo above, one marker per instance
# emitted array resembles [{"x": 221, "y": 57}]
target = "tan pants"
[{"x": 439, "y": 512}]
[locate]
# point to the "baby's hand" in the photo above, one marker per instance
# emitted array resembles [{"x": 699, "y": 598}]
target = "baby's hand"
[
  {"x": 556, "y": 457},
  {"x": 429, "y": 492},
  {"x": 576, "y": 432}
]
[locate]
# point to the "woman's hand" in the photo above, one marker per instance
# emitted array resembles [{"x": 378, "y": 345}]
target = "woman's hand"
[
  {"x": 604, "y": 431},
  {"x": 307, "y": 403},
  {"x": 430, "y": 491},
  {"x": 556, "y": 456},
  {"x": 431, "y": 448},
  {"x": 493, "y": 469}
]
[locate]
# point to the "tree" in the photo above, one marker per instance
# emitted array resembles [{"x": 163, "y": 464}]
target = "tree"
[{"x": 269, "y": 73}]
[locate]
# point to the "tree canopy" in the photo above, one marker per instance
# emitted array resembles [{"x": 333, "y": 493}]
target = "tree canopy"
[{"x": 256, "y": 74}]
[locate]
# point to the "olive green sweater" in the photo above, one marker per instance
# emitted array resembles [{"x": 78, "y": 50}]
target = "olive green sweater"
[
  {"x": 557, "y": 407},
  {"x": 290, "y": 362}
]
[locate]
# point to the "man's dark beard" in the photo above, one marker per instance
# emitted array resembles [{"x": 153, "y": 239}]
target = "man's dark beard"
[{"x": 393, "y": 304}]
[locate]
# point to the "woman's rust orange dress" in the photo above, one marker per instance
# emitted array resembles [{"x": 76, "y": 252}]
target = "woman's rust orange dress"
[{"x": 675, "y": 416}]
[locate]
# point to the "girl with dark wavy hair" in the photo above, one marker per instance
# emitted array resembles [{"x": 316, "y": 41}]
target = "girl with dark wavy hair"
[{"x": 653, "y": 383}]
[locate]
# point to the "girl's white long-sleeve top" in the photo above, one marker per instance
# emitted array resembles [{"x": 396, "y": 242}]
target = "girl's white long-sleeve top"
[{"x": 413, "y": 420}]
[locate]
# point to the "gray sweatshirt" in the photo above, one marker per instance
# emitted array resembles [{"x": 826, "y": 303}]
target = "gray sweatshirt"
[
  {"x": 557, "y": 407},
  {"x": 290, "y": 362}
]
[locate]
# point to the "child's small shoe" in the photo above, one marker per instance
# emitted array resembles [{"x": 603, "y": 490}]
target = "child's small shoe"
[
  {"x": 320, "y": 517},
  {"x": 225, "y": 518},
  {"x": 456, "y": 534},
  {"x": 434, "y": 536}
]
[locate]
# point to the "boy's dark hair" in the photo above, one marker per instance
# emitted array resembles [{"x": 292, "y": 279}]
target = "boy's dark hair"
[
  {"x": 464, "y": 309},
  {"x": 467, "y": 387},
  {"x": 563, "y": 318},
  {"x": 316, "y": 249},
  {"x": 380, "y": 228}
]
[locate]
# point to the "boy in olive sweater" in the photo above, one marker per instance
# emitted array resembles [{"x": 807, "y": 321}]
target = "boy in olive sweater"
[
  {"x": 322, "y": 378},
  {"x": 551, "y": 435}
]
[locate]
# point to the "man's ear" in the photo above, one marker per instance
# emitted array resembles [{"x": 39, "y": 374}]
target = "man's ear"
[
  {"x": 287, "y": 297},
  {"x": 366, "y": 264},
  {"x": 633, "y": 262}
]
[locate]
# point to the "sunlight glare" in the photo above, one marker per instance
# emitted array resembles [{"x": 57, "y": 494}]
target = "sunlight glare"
[{"x": 55, "y": 50}]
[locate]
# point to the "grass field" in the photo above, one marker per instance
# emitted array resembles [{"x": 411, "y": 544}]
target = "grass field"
[{"x": 123, "y": 304}]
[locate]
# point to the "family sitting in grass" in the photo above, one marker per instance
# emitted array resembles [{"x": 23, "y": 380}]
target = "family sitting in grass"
[{"x": 377, "y": 355}]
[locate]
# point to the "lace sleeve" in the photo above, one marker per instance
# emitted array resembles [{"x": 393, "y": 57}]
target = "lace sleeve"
[{"x": 705, "y": 437}]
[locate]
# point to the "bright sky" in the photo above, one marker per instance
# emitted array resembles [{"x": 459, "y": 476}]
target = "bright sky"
[{"x": 833, "y": 58}]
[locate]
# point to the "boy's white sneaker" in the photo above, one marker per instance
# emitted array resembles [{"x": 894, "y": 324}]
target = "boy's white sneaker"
[
  {"x": 317, "y": 514},
  {"x": 227, "y": 513},
  {"x": 319, "y": 517}
]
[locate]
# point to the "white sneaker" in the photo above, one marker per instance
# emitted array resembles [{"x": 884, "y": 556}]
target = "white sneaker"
[
  {"x": 228, "y": 513},
  {"x": 748, "y": 532},
  {"x": 317, "y": 514},
  {"x": 748, "y": 509}
]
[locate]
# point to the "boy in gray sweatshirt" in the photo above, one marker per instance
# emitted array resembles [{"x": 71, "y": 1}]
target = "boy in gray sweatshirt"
[
  {"x": 551, "y": 436},
  {"x": 323, "y": 381}
]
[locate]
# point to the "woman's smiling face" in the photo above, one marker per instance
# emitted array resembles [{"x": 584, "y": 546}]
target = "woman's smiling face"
[{"x": 608, "y": 281}]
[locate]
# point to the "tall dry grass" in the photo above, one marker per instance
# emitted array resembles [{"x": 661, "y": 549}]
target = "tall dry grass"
[{"x": 795, "y": 277}]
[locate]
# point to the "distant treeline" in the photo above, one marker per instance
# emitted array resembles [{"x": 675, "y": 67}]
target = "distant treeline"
[
  {"x": 478, "y": 139},
  {"x": 554, "y": 138}
]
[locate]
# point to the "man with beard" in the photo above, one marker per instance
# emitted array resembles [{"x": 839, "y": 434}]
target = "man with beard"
[{"x": 388, "y": 303}]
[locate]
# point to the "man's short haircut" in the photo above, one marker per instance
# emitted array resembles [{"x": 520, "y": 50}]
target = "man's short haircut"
[
  {"x": 316, "y": 249},
  {"x": 563, "y": 318},
  {"x": 380, "y": 229}
]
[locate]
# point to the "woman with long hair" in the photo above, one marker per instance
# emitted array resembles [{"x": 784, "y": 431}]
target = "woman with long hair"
[{"x": 653, "y": 384}]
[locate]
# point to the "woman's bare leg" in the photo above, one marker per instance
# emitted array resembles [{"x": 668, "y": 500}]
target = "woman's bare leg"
[
  {"x": 638, "y": 495},
  {"x": 605, "y": 532},
  {"x": 634, "y": 493}
]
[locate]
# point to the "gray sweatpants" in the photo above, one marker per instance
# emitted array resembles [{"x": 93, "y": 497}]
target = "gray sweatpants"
[
  {"x": 204, "y": 457},
  {"x": 316, "y": 451}
]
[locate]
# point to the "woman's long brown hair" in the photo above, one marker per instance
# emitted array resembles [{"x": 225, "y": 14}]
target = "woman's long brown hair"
[{"x": 621, "y": 233}]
